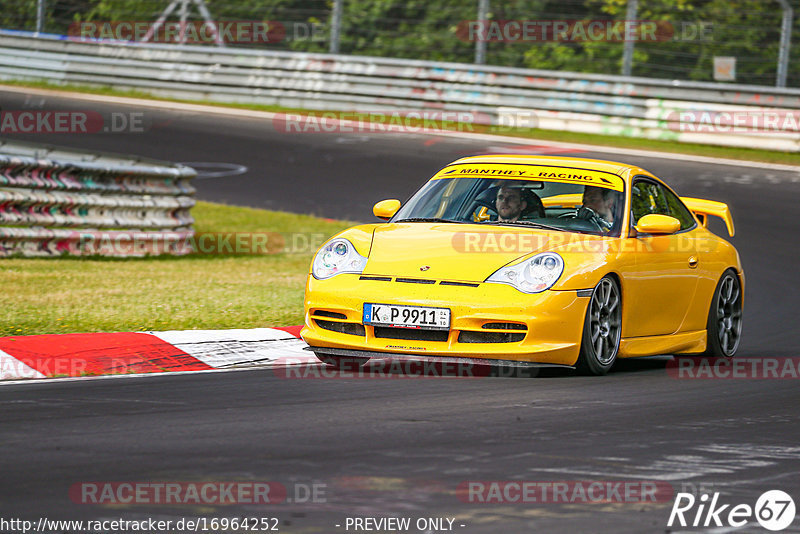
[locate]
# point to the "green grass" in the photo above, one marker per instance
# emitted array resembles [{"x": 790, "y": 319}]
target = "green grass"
[
  {"x": 61, "y": 295},
  {"x": 748, "y": 154}
]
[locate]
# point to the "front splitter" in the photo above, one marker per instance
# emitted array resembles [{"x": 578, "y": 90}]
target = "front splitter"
[{"x": 374, "y": 355}]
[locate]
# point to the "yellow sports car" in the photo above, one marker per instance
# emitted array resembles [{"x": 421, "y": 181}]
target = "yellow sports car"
[{"x": 529, "y": 261}]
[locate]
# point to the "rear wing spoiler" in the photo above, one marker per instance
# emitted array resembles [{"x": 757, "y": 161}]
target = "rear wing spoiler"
[
  {"x": 700, "y": 207},
  {"x": 703, "y": 208}
]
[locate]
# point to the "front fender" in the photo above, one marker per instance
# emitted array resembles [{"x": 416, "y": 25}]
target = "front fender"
[{"x": 586, "y": 262}]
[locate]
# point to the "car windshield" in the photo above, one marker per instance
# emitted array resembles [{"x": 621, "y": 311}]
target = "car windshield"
[{"x": 545, "y": 204}]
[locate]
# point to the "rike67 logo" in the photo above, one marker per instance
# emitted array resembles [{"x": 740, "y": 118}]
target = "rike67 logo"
[{"x": 774, "y": 510}]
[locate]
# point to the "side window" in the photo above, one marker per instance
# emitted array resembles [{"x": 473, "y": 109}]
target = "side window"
[
  {"x": 678, "y": 210},
  {"x": 639, "y": 207},
  {"x": 649, "y": 197}
]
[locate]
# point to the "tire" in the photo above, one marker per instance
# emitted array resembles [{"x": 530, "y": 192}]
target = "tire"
[
  {"x": 602, "y": 328},
  {"x": 724, "y": 326},
  {"x": 343, "y": 363}
]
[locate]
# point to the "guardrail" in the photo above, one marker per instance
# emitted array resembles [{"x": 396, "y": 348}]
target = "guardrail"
[
  {"x": 63, "y": 202},
  {"x": 734, "y": 115}
]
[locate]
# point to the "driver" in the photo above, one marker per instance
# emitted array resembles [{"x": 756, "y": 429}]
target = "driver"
[
  {"x": 509, "y": 204},
  {"x": 598, "y": 205}
]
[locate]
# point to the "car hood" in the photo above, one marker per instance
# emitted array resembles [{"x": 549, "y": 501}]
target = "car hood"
[{"x": 444, "y": 251}]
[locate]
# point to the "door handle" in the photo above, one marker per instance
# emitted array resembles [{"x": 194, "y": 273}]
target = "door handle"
[{"x": 693, "y": 261}]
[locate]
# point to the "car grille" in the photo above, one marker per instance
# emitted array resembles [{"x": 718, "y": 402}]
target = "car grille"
[
  {"x": 388, "y": 332},
  {"x": 459, "y": 284},
  {"x": 513, "y": 332},
  {"x": 354, "y": 329},
  {"x": 504, "y": 326},
  {"x": 426, "y": 281},
  {"x": 471, "y": 336},
  {"x": 332, "y": 315}
]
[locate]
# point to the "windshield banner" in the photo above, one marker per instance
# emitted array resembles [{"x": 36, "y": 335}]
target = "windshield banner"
[{"x": 544, "y": 173}]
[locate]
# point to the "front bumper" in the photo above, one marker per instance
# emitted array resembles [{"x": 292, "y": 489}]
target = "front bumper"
[{"x": 548, "y": 325}]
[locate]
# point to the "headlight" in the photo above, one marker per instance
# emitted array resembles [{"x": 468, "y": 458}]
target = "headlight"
[
  {"x": 533, "y": 275},
  {"x": 336, "y": 257}
]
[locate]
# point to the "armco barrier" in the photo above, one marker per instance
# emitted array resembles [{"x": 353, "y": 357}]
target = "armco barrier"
[
  {"x": 55, "y": 202},
  {"x": 637, "y": 107}
]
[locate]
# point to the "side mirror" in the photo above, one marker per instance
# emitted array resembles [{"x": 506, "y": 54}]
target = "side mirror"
[
  {"x": 385, "y": 209},
  {"x": 658, "y": 224}
]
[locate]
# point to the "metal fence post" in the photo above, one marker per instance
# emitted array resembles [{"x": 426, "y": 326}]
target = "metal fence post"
[
  {"x": 183, "y": 11},
  {"x": 480, "y": 44},
  {"x": 786, "y": 37},
  {"x": 336, "y": 25},
  {"x": 39, "y": 15},
  {"x": 627, "y": 51}
]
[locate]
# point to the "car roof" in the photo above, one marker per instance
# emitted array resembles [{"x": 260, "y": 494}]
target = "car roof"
[{"x": 623, "y": 170}]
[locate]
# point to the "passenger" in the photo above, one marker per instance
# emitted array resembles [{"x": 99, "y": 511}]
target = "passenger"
[{"x": 598, "y": 205}]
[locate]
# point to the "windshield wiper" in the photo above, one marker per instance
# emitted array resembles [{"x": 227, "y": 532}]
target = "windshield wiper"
[
  {"x": 530, "y": 223},
  {"x": 426, "y": 219}
]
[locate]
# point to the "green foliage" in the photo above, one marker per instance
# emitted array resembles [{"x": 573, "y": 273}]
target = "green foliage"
[{"x": 18, "y": 14}]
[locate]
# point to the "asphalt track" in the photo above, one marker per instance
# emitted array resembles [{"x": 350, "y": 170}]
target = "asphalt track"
[{"x": 401, "y": 447}]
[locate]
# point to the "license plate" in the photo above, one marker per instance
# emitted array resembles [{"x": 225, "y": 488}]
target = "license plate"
[{"x": 407, "y": 316}]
